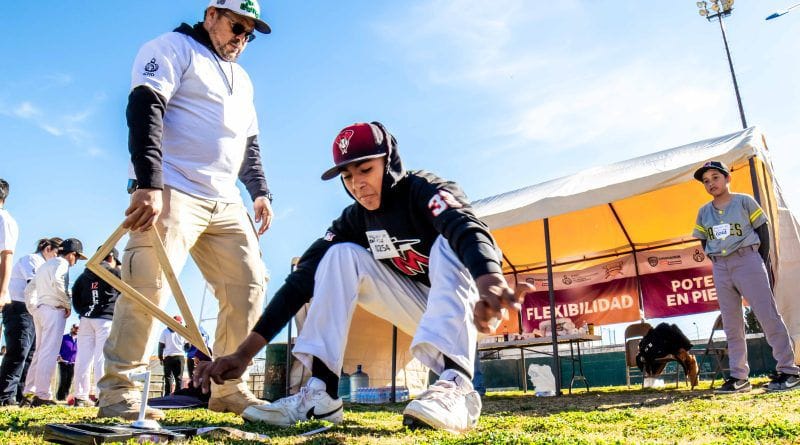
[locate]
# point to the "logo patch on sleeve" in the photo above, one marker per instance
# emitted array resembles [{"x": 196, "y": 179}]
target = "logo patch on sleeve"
[
  {"x": 442, "y": 201},
  {"x": 329, "y": 236},
  {"x": 150, "y": 68}
]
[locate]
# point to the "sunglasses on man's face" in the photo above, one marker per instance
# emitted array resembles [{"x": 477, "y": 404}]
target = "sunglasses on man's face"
[{"x": 239, "y": 29}]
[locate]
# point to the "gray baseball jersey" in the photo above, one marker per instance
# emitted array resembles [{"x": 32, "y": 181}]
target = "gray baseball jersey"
[{"x": 730, "y": 228}]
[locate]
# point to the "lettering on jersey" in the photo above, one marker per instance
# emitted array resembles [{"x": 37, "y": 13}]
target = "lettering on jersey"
[
  {"x": 343, "y": 140},
  {"x": 151, "y": 68},
  {"x": 329, "y": 236},
  {"x": 734, "y": 229},
  {"x": 442, "y": 201}
]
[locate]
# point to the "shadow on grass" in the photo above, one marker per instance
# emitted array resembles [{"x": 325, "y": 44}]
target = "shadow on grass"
[{"x": 529, "y": 404}]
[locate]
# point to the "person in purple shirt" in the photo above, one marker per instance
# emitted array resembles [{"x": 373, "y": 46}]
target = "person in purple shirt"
[{"x": 66, "y": 362}]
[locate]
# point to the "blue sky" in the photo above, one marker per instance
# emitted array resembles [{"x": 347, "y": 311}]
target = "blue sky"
[{"x": 494, "y": 95}]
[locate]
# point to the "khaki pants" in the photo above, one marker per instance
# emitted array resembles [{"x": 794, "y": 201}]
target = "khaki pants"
[{"x": 223, "y": 243}]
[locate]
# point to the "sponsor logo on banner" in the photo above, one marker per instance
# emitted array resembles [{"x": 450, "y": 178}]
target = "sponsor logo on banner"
[
  {"x": 667, "y": 260},
  {"x": 699, "y": 256},
  {"x": 613, "y": 269}
]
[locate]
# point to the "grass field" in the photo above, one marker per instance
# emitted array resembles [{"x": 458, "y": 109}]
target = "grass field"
[{"x": 606, "y": 415}]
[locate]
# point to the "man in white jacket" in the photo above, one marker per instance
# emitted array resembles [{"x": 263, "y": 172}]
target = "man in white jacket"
[{"x": 48, "y": 299}]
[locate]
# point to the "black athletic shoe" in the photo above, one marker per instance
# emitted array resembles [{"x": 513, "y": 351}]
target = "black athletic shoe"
[
  {"x": 8, "y": 402},
  {"x": 41, "y": 402},
  {"x": 783, "y": 382},
  {"x": 734, "y": 385}
]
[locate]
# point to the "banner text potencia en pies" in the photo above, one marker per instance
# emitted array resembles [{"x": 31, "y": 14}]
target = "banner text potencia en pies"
[{"x": 674, "y": 282}]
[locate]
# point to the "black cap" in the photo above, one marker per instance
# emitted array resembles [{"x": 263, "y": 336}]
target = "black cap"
[
  {"x": 72, "y": 245},
  {"x": 716, "y": 165},
  {"x": 114, "y": 253}
]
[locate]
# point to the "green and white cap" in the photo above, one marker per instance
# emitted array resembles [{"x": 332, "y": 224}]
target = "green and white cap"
[{"x": 246, "y": 8}]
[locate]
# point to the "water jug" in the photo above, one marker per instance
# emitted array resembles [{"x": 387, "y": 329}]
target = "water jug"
[
  {"x": 358, "y": 379},
  {"x": 344, "y": 386}
]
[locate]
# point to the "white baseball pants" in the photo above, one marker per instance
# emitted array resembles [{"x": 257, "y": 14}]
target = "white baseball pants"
[
  {"x": 92, "y": 337},
  {"x": 438, "y": 318},
  {"x": 49, "y": 322}
]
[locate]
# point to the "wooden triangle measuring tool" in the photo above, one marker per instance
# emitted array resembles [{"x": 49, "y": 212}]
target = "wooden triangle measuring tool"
[{"x": 190, "y": 332}]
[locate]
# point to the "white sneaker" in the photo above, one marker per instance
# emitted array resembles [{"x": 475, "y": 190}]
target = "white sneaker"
[
  {"x": 312, "y": 402},
  {"x": 450, "y": 404}
]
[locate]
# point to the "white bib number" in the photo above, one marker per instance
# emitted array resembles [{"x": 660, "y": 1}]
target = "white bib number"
[
  {"x": 722, "y": 231},
  {"x": 381, "y": 245}
]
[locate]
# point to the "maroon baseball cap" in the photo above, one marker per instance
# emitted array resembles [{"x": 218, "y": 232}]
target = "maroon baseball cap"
[{"x": 356, "y": 143}]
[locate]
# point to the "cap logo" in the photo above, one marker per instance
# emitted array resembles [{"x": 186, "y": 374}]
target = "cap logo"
[
  {"x": 248, "y": 6},
  {"x": 344, "y": 140}
]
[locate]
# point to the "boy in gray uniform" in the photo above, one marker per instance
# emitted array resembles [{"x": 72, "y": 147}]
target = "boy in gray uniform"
[{"x": 735, "y": 235}]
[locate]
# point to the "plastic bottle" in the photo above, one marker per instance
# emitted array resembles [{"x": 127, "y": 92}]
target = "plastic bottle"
[
  {"x": 344, "y": 386},
  {"x": 358, "y": 379}
]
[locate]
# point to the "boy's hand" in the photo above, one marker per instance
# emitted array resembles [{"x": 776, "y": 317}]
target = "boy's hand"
[
  {"x": 495, "y": 294},
  {"x": 227, "y": 367}
]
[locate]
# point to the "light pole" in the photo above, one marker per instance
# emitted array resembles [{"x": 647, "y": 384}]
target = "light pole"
[
  {"x": 722, "y": 8},
  {"x": 696, "y": 330},
  {"x": 781, "y": 12}
]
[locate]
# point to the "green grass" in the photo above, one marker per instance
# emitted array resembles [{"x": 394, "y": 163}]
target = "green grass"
[{"x": 607, "y": 415}]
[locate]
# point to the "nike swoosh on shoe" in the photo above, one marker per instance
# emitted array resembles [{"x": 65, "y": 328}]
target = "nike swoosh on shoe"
[{"x": 311, "y": 415}]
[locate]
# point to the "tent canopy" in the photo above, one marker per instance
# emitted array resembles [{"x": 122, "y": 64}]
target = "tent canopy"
[{"x": 641, "y": 203}]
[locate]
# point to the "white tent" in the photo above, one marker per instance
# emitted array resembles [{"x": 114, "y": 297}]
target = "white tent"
[{"x": 643, "y": 203}]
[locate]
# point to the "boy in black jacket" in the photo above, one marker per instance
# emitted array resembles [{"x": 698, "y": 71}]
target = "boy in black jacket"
[
  {"x": 93, "y": 300},
  {"x": 410, "y": 251}
]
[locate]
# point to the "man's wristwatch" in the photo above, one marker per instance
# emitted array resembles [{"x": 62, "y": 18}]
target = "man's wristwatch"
[
  {"x": 269, "y": 196},
  {"x": 132, "y": 185}
]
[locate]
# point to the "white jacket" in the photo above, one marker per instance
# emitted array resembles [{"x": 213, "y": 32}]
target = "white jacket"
[{"x": 49, "y": 285}]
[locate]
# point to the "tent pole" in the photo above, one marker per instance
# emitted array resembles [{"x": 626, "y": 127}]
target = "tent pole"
[
  {"x": 754, "y": 181},
  {"x": 552, "y": 294},
  {"x": 767, "y": 188},
  {"x": 292, "y": 268},
  {"x": 394, "y": 364},
  {"x": 514, "y": 272},
  {"x": 288, "y": 363},
  {"x": 635, "y": 259}
]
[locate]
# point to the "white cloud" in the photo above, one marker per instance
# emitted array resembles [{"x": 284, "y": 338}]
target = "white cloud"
[
  {"x": 549, "y": 93},
  {"x": 26, "y": 110},
  {"x": 634, "y": 99},
  {"x": 472, "y": 39},
  {"x": 51, "y": 129},
  {"x": 95, "y": 152},
  {"x": 284, "y": 214},
  {"x": 71, "y": 125}
]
